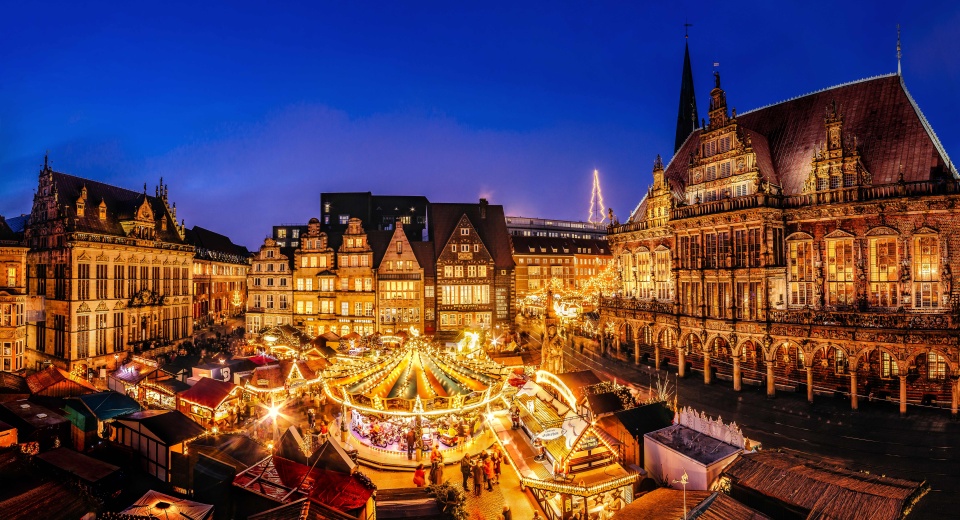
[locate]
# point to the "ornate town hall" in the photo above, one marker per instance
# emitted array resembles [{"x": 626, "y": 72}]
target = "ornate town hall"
[{"x": 804, "y": 246}]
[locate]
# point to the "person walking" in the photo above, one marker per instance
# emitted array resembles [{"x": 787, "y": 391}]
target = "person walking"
[
  {"x": 411, "y": 438},
  {"x": 434, "y": 473},
  {"x": 419, "y": 479},
  {"x": 466, "y": 468},
  {"x": 497, "y": 459},
  {"x": 477, "y": 479},
  {"x": 488, "y": 470}
]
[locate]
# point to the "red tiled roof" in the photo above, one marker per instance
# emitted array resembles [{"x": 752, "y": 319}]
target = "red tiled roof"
[
  {"x": 285, "y": 480},
  {"x": 41, "y": 381},
  {"x": 889, "y": 129},
  {"x": 208, "y": 392}
]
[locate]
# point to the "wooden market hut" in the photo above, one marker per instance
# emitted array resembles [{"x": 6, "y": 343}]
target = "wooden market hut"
[
  {"x": 670, "y": 504},
  {"x": 92, "y": 475},
  {"x": 128, "y": 377},
  {"x": 8, "y": 435},
  {"x": 89, "y": 414},
  {"x": 13, "y": 387},
  {"x": 36, "y": 423},
  {"x": 787, "y": 486},
  {"x": 56, "y": 382},
  {"x": 158, "y": 436},
  {"x": 154, "y": 504},
  {"x": 210, "y": 402},
  {"x": 629, "y": 426}
]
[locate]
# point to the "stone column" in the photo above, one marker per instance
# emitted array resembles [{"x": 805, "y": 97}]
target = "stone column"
[
  {"x": 903, "y": 395},
  {"x": 954, "y": 397},
  {"x": 681, "y": 363},
  {"x": 771, "y": 384},
  {"x": 853, "y": 391},
  {"x": 706, "y": 368},
  {"x": 636, "y": 349},
  {"x": 656, "y": 356},
  {"x": 737, "y": 378},
  {"x": 809, "y": 383}
]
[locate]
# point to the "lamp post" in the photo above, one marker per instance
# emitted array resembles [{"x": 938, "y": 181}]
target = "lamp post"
[
  {"x": 683, "y": 482},
  {"x": 272, "y": 413}
]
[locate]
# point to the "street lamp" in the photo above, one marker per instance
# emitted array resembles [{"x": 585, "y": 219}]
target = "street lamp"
[
  {"x": 272, "y": 412},
  {"x": 683, "y": 481}
]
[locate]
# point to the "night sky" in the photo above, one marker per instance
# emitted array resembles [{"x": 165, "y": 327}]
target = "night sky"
[{"x": 248, "y": 111}]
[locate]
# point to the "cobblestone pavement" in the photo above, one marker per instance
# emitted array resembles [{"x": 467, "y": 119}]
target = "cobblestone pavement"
[{"x": 486, "y": 507}]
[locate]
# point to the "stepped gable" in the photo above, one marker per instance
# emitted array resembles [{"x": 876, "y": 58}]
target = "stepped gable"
[
  {"x": 489, "y": 221},
  {"x": 889, "y": 129},
  {"x": 122, "y": 204}
]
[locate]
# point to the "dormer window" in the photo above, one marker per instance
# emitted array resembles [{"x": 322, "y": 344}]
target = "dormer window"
[
  {"x": 80, "y": 206},
  {"x": 103, "y": 210}
]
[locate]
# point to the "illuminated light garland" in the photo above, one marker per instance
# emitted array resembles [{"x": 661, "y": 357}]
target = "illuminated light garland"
[
  {"x": 546, "y": 377},
  {"x": 580, "y": 491}
]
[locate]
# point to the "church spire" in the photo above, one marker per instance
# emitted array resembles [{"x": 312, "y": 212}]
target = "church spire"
[{"x": 687, "y": 114}]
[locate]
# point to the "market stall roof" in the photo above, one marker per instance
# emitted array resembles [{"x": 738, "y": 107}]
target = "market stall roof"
[
  {"x": 169, "y": 426},
  {"x": 660, "y": 504},
  {"x": 154, "y": 504},
  {"x": 169, "y": 386},
  {"x": 13, "y": 387},
  {"x": 86, "y": 468},
  {"x": 825, "y": 491},
  {"x": 235, "y": 449},
  {"x": 303, "y": 509},
  {"x": 286, "y": 481},
  {"x": 577, "y": 381},
  {"x": 133, "y": 372},
  {"x": 208, "y": 392},
  {"x": 42, "y": 381},
  {"x": 107, "y": 405},
  {"x": 605, "y": 403}
]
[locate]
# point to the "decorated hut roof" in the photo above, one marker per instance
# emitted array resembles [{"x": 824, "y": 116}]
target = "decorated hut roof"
[{"x": 209, "y": 393}]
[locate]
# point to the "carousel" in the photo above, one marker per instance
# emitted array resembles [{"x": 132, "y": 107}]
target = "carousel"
[{"x": 417, "y": 393}]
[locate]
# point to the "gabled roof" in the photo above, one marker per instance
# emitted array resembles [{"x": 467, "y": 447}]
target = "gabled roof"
[
  {"x": 107, "y": 405},
  {"x": 170, "y": 426},
  {"x": 643, "y": 419},
  {"x": 607, "y": 402},
  {"x": 18, "y": 223},
  {"x": 41, "y": 381},
  {"x": 11, "y": 383},
  {"x": 426, "y": 257},
  {"x": 7, "y": 233},
  {"x": 577, "y": 381},
  {"x": 122, "y": 204},
  {"x": 208, "y": 392},
  {"x": 879, "y": 112},
  {"x": 379, "y": 242},
  {"x": 825, "y": 491},
  {"x": 214, "y": 246},
  {"x": 489, "y": 221}
]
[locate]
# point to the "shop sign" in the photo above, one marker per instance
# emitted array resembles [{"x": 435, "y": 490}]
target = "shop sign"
[
  {"x": 262, "y": 382},
  {"x": 550, "y": 433}
]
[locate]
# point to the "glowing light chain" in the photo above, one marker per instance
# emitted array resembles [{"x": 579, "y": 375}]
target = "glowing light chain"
[{"x": 596, "y": 215}]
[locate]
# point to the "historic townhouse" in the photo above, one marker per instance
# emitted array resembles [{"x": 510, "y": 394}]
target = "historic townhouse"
[
  {"x": 400, "y": 286},
  {"x": 540, "y": 260},
  {"x": 356, "y": 296},
  {"x": 474, "y": 266},
  {"x": 13, "y": 290},
  {"x": 804, "y": 246},
  {"x": 269, "y": 288},
  {"x": 112, "y": 269},
  {"x": 219, "y": 276},
  {"x": 314, "y": 282}
]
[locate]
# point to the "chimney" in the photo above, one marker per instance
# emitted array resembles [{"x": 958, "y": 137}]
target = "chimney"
[{"x": 483, "y": 208}]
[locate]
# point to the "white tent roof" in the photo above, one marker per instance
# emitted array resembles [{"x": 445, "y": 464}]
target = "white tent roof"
[{"x": 171, "y": 508}]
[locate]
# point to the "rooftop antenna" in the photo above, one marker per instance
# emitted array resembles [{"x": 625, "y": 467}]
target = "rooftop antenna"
[
  {"x": 898, "y": 51},
  {"x": 686, "y": 27}
]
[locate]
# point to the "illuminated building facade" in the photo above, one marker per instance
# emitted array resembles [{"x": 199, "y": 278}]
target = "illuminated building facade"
[
  {"x": 219, "y": 276},
  {"x": 314, "y": 280},
  {"x": 474, "y": 266},
  {"x": 112, "y": 269},
  {"x": 13, "y": 290},
  {"x": 400, "y": 286},
  {"x": 269, "y": 288},
  {"x": 356, "y": 293},
  {"x": 804, "y": 246}
]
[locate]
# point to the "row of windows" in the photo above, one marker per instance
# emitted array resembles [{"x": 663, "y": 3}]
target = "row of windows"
[
  {"x": 218, "y": 270},
  {"x": 887, "y": 284},
  {"x": 313, "y": 261},
  {"x": 464, "y": 294},
  {"x": 269, "y": 267},
  {"x": 457, "y": 271},
  {"x": 170, "y": 281}
]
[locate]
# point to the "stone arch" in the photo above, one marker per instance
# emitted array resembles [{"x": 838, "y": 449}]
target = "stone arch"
[
  {"x": 865, "y": 352},
  {"x": 788, "y": 358},
  {"x": 882, "y": 231},
  {"x": 912, "y": 358}
]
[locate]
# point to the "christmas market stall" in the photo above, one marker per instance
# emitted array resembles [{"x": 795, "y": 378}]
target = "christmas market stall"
[
  {"x": 282, "y": 380},
  {"x": 210, "y": 402},
  {"x": 282, "y": 342},
  {"x": 571, "y": 465},
  {"x": 417, "y": 392}
]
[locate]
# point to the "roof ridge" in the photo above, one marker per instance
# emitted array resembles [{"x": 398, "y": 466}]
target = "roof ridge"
[
  {"x": 100, "y": 182},
  {"x": 929, "y": 129},
  {"x": 846, "y": 84}
]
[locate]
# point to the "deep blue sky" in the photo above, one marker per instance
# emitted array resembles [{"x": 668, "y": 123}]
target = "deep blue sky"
[{"x": 249, "y": 110}]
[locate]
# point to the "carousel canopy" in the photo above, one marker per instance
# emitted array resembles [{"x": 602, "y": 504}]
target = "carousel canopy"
[{"x": 417, "y": 371}]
